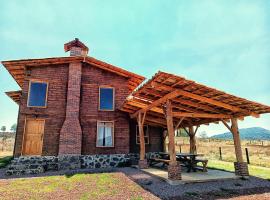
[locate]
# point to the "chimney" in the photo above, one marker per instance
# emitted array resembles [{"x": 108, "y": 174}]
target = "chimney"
[{"x": 76, "y": 48}]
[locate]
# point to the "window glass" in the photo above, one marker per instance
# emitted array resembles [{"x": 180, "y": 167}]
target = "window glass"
[
  {"x": 106, "y": 100},
  {"x": 37, "y": 94},
  {"x": 105, "y": 134}
]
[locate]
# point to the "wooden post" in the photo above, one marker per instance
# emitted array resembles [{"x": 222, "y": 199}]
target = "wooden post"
[
  {"x": 170, "y": 128},
  {"x": 192, "y": 140},
  {"x": 141, "y": 134},
  {"x": 236, "y": 139},
  {"x": 247, "y": 155},
  {"x": 220, "y": 154},
  {"x": 174, "y": 167},
  {"x": 165, "y": 134}
]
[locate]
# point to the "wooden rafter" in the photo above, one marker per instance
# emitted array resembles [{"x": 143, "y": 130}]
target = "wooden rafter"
[
  {"x": 200, "y": 115},
  {"x": 201, "y": 98},
  {"x": 154, "y": 104}
]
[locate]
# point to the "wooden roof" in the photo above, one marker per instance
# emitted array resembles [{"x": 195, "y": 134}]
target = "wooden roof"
[
  {"x": 15, "y": 95},
  {"x": 197, "y": 103},
  {"x": 17, "y": 68}
]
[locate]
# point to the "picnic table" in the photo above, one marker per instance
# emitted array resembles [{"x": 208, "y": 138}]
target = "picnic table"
[{"x": 188, "y": 159}]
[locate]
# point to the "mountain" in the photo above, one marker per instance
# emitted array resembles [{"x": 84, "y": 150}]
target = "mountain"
[{"x": 254, "y": 133}]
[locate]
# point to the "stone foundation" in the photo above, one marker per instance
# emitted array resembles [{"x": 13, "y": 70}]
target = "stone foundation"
[
  {"x": 69, "y": 162},
  {"x": 174, "y": 171},
  {"x": 40, "y": 164},
  {"x": 143, "y": 164},
  {"x": 241, "y": 169}
]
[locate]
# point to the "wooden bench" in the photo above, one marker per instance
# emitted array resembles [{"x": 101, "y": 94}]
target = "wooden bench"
[
  {"x": 204, "y": 163},
  {"x": 153, "y": 161}
]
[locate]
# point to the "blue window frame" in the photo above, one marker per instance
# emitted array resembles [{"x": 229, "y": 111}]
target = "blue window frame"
[
  {"x": 106, "y": 98},
  {"x": 37, "y": 94}
]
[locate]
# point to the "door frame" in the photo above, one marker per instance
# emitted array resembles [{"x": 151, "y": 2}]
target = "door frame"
[{"x": 24, "y": 132}]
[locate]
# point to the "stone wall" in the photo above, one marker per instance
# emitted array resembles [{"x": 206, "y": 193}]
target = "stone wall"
[{"x": 40, "y": 164}]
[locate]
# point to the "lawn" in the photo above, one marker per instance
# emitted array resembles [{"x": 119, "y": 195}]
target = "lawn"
[
  {"x": 79, "y": 186},
  {"x": 261, "y": 172}
]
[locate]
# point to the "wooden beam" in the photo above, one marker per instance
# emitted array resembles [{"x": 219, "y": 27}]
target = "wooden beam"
[
  {"x": 225, "y": 124},
  {"x": 182, "y": 101},
  {"x": 178, "y": 123},
  {"x": 192, "y": 140},
  {"x": 142, "y": 105},
  {"x": 200, "y": 115},
  {"x": 141, "y": 134},
  {"x": 237, "y": 141},
  {"x": 171, "y": 95},
  {"x": 201, "y": 98},
  {"x": 197, "y": 127},
  {"x": 209, "y": 101},
  {"x": 170, "y": 128}
]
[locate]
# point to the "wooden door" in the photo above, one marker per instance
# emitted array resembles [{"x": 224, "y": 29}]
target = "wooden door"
[{"x": 33, "y": 137}]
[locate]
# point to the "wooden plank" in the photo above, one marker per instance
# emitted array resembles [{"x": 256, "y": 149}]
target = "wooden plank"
[{"x": 200, "y": 115}]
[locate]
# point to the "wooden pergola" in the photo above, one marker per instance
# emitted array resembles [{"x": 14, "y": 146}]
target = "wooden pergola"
[{"x": 174, "y": 102}]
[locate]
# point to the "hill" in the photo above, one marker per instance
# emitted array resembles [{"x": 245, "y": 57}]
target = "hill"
[{"x": 254, "y": 133}]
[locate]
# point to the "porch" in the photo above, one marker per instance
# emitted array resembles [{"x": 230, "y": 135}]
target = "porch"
[
  {"x": 173, "y": 102},
  {"x": 196, "y": 177}
]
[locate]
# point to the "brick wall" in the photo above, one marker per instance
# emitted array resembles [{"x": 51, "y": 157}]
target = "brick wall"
[
  {"x": 155, "y": 138},
  {"x": 92, "y": 78},
  {"x": 54, "y": 114}
]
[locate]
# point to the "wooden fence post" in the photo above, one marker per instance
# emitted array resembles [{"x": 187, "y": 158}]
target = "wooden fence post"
[
  {"x": 220, "y": 154},
  {"x": 247, "y": 155}
]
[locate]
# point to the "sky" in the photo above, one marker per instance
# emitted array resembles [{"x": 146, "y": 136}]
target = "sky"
[{"x": 223, "y": 44}]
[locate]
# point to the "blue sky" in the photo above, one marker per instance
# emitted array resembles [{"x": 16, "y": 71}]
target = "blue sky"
[{"x": 224, "y": 44}]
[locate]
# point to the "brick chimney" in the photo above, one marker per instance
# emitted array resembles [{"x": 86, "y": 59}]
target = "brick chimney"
[
  {"x": 70, "y": 142},
  {"x": 76, "y": 48}
]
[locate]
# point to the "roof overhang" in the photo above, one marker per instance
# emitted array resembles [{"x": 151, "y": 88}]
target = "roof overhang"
[
  {"x": 17, "y": 68},
  {"x": 192, "y": 102},
  {"x": 15, "y": 95}
]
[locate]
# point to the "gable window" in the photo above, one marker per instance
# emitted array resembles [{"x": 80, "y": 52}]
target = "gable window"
[
  {"x": 105, "y": 134},
  {"x": 146, "y": 134},
  {"x": 106, "y": 98},
  {"x": 37, "y": 94}
]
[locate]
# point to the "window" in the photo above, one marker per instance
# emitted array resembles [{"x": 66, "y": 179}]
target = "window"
[
  {"x": 37, "y": 94},
  {"x": 106, "y": 98},
  {"x": 146, "y": 135},
  {"x": 105, "y": 134}
]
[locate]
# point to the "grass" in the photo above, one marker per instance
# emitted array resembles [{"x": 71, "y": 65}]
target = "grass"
[
  {"x": 4, "y": 161},
  {"x": 78, "y": 186},
  {"x": 258, "y": 171},
  {"x": 259, "y": 151}
]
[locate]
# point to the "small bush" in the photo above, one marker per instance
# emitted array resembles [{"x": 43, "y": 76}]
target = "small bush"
[{"x": 5, "y": 161}]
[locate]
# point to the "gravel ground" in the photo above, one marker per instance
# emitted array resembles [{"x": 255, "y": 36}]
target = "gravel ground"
[
  {"x": 234, "y": 188},
  {"x": 220, "y": 188}
]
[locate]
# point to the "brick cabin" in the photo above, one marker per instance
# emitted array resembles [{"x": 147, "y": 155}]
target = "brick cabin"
[{"x": 71, "y": 106}]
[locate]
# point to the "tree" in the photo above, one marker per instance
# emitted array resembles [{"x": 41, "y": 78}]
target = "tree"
[
  {"x": 3, "y": 128},
  {"x": 203, "y": 135},
  {"x": 13, "y": 128}
]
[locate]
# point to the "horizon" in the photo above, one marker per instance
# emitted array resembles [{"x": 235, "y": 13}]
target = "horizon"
[{"x": 226, "y": 47}]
